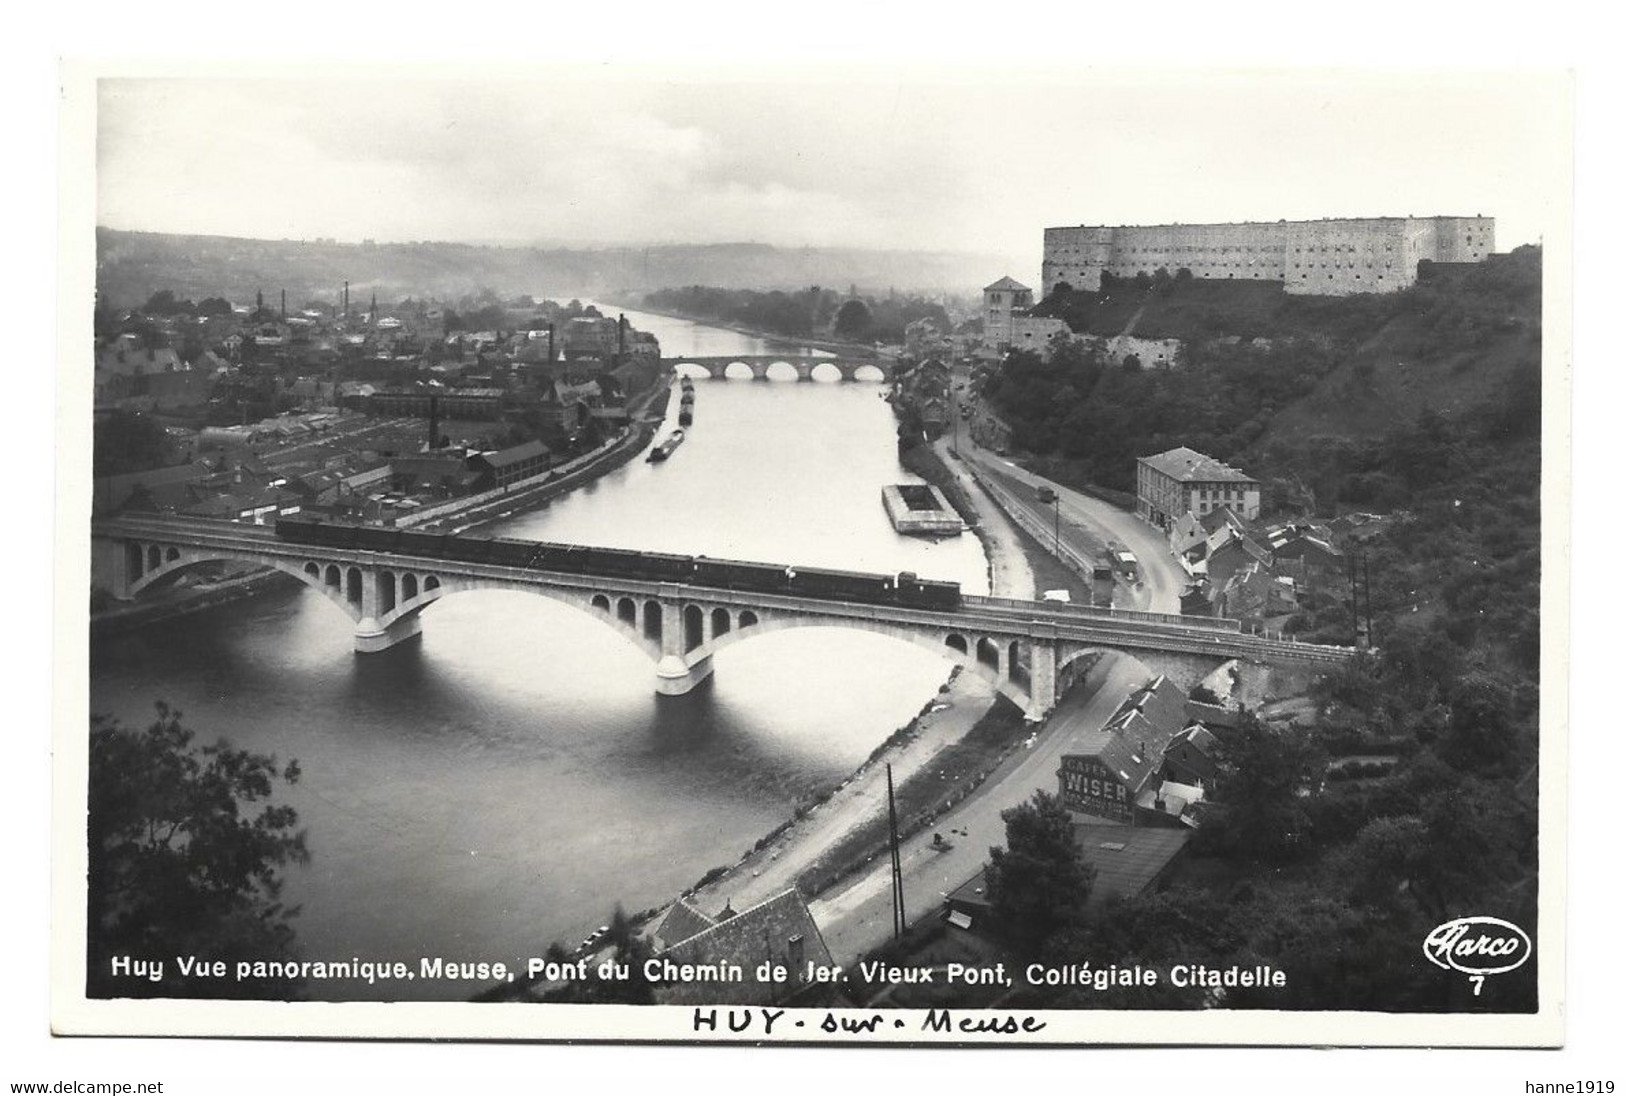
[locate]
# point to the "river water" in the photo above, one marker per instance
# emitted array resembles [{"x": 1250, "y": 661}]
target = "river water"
[{"x": 508, "y": 779}]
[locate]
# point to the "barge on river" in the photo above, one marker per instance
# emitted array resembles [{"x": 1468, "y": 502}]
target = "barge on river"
[{"x": 667, "y": 447}]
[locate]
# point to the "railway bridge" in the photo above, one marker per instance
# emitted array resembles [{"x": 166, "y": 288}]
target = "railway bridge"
[
  {"x": 1030, "y": 651},
  {"x": 848, "y": 367}
]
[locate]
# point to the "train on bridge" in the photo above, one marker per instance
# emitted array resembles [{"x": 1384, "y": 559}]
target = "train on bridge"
[{"x": 905, "y": 588}]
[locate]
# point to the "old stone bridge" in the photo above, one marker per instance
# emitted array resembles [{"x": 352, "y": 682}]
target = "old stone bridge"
[
  {"x": 1028, "y": 650},
  {"x": 849, "y": 369}
]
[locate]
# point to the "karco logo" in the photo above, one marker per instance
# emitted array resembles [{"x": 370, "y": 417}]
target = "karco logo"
[{"x": 1478, "y": 946}]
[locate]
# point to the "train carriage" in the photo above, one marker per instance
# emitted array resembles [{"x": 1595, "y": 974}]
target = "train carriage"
[
  {"x": 842, "y": 585},
  {"x": 732, "y": 574}
]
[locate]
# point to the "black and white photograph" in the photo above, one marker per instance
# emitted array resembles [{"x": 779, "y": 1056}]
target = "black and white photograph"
[{"x": 854, "y": 556}]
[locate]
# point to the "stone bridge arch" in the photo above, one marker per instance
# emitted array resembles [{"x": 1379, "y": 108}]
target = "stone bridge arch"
[
  {"x": 1012, "y": 677},
  {"x": 171, "y": 561},
  {"x": 1184, "y": 669}
]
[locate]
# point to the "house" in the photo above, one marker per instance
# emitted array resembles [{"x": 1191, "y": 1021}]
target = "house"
[
  {"x": 112, "y": 493},
  {"x": 125, "y": 357},
  {"x": 510, "y": 465},
  {"x": 256, "y": 505},
  {"x": 1192, "y": 756},
  {"x": 681, "y": 922},
  {"x": 1306, "y": 553},
  {"x": 1256, "y": 593},
  {"x": 1233, "y": 554},
  {"x": 1107, "y": 772},
  {"x": 778, "y": 932},
  {"x": 1179, "y": 480},
  {"x": 442, "y": 473},
  {"x": 1127, "y": 860}
]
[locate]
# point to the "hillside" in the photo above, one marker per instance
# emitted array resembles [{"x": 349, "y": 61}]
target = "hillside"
[
  {"x": 131, "y": 266},
  {"x": 1402, "y": 370},
  {"x": 1423, "y": 406},
  {"x": 1262, "y": 370}
]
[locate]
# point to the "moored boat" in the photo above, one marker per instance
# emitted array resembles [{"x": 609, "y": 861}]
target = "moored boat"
[{"x": 668, "y": 447}]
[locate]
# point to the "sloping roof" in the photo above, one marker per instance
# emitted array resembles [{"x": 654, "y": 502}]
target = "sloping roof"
[
  {"x": 517, "y": 454},
  {"x": 681, "y": 922},
  {"x": 1132, "y": 741},
  {"x": 1189, "y": 466},
  {"x": 761, "y": 934},
  {"x": 111, "y": 492},
  {"x": 1007, "y": 282},
  {"x": 1187, "y": 533},
  {"x": 1215, "y": 519},
  {"x": 1195, "y": 750},
  {"x": 1126, "y": 859}
]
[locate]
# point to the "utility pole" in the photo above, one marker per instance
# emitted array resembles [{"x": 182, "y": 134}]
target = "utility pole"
[
  {"x": 1049, "y": 495},
  {"x": 898, "y": 916}
]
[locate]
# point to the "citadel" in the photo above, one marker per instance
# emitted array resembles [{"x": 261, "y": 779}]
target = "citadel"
[{"x": 1331, "y": 257}]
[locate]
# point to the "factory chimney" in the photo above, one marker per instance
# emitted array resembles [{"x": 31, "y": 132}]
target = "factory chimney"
[
  {"x": 346, "y": 299},
  {"x": 434, "y": 423}
]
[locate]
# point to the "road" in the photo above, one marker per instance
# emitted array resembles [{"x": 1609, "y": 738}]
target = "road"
[
  {"x": 1087, "y": 523},
  {"x": 856, "y": 916}
]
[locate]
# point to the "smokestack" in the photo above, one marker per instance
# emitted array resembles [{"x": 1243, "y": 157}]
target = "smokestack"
[
  {"x": 549, "y": 344},
  {"x": 372, "y": 316},
  {"x": 346, "y": 299},
  {"x": 434, "y": 422},
  {"x": 284, "y": 304}
]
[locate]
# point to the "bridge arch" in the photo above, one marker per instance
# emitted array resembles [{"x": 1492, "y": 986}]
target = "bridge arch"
[
  {"x": 938, "y": 644},
  {"x": 598, "y": 607},
  {"x": 308, "y": 573}
]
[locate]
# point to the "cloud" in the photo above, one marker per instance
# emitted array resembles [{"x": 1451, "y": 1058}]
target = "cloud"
[{"x": 873, "y": 160}]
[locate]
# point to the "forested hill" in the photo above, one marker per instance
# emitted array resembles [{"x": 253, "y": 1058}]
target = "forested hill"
[
  {"x": 131, "y": 266},
  {"x": 1261, "y": 369},
  {"x": 1423, "y": 406}
]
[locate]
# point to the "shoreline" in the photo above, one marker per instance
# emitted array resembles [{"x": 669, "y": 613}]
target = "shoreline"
[
  {"x": 822, "y": 848},
  {"x": 129, "y": 616},
  {"x": 828, "y": 346},
  {"x": 124, "y": 616}
]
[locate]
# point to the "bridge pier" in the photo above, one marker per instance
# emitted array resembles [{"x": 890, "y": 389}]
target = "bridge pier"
[
  {"x": 1041, "y": 679},
  {"x": 371, "y": 637},
  {"x": 111, "y": 566},
  {"x": 674, "y": 677}
]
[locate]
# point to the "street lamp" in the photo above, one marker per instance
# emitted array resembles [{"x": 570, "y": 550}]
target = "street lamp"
[{"x": 1048, "y": 495}]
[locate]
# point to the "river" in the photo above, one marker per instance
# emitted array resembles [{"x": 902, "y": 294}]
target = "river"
[{"x": 507, "y": 780}]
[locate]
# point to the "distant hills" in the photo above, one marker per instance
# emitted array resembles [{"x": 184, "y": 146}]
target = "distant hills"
[{"x": 131, "y": 266}]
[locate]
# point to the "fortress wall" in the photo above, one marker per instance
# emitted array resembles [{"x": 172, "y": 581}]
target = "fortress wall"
[{"x": 1326, "y": 257}]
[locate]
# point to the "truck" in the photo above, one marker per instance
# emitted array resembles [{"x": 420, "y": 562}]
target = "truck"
[{"x": 1124, "y": 562}]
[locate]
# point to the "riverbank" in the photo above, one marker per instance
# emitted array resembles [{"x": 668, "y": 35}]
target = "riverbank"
[
  {"x": 637, "y": 437},
  {"x": 828, "y": 346},
  {"x": 959, "y": 740},
  {"x": 180, "y": 601},
  {"x": 183, "y": 601}
]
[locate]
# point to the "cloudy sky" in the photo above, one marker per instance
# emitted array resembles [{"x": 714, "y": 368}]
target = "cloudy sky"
[{"x": 975, "y": 160}]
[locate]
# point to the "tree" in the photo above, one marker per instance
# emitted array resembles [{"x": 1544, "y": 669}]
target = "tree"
[
  {"x": 126, "y": 442},
  {"x": 631, "y": 953},
  {"x": 1265, "y": 771},
  {"x": 186, "y": 853},
  {"x": 1039, "y": 882},
  {"x": 853, "y": 319}
]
